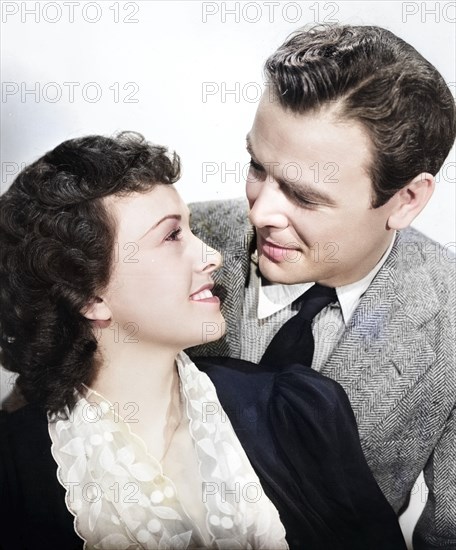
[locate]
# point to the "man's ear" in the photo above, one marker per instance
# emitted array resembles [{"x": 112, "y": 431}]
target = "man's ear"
[
  {"x": 410, "y": 200},
  {"x": 97, "y": 310}
]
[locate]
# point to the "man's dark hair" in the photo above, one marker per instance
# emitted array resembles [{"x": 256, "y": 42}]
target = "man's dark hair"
[
  {"x": 57, "y": 242},
  {"x": 373, "y": 77}
]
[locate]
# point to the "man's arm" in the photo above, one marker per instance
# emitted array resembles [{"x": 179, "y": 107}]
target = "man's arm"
[
  {"x": 224, "y": 225},
  {"x": 436, "y": 527}
]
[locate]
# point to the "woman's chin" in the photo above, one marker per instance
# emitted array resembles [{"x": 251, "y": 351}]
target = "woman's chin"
[{"x": 210, "y": 332}]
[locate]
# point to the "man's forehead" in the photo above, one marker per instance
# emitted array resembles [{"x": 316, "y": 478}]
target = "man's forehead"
[{"x": 319, "y": 135}]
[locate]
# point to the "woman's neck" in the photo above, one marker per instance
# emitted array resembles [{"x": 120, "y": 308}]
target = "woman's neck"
[
  {"x": 134, "y": 370},
  {"x": 143, "y": 383}
]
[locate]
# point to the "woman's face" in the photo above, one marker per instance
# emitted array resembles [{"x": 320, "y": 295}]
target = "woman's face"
[{"x": 160, "y": 287}]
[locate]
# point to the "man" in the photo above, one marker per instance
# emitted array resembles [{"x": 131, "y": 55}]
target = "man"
[{"x": 352, "y": 128}]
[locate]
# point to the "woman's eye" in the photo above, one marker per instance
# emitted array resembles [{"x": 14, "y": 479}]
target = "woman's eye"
[{"x": 174, "y": 235}]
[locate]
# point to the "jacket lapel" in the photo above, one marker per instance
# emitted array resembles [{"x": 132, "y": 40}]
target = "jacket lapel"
[{"x": 385, "y": 348}]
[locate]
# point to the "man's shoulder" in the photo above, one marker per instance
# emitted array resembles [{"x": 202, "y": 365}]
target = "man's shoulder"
[
  {"x": 221, "y": 222},
  {"x": 422, "y": 272},
  {"x": 233, "y": 209},
  {"x": 411, "y": 234},
  {"x": 418, "y": 253}
]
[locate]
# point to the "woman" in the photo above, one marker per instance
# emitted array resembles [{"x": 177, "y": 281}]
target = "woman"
[{"x": 103, "y": 284}]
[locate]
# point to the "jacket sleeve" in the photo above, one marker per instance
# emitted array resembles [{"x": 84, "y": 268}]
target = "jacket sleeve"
[
  {"x": 299, "y": 432},
  {"x": 436, "y": 527},
  {"x": 224, "y": 226},
  {"x": 314, "y": 425}
]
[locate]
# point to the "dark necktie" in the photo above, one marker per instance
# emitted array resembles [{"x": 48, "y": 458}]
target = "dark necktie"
[{"x": 294, "y": 341}]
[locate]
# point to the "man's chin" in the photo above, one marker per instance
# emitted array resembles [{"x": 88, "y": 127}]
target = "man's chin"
[{"x": 280, "y": 272}]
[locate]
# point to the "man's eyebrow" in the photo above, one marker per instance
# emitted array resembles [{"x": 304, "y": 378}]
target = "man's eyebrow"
[
  {"x": 302, "y": 191},
  {"x": 177, "y": 217},
  {"x": 299, "y": 190}
]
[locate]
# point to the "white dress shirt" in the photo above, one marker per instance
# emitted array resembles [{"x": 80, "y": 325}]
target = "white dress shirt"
[{"x": 268, "y": 307}]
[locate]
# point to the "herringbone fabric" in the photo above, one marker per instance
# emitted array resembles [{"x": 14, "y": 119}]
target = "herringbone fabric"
[{"x": 396, "y": 361}]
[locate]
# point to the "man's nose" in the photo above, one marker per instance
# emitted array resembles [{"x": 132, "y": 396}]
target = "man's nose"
[{"x": 267, "y": 206}]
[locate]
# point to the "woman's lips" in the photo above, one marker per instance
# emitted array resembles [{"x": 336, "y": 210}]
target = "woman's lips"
[{"x": 275, "y": 252}]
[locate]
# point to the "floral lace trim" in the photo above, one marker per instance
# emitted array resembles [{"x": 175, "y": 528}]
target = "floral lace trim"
[{"x": 120, "y": 498}]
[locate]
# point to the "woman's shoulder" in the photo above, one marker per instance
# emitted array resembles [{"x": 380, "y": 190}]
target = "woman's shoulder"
[
  {"x": 28, "y": 422},
  {"x": 299, "y": 431},
  {"x": 244, "y": 379},
  {"x": 32, "y": 501},
  {"x": 294, "y": 397},
  {"x": 25, "y": 441}
]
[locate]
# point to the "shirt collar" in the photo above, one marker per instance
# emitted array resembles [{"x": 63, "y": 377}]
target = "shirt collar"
[{"x": 274, "y": 297}]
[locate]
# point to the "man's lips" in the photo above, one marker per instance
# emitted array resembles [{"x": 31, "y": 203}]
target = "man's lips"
[
  {"x": 277, "y": 252},
  {"x": 204, "y": 294}
]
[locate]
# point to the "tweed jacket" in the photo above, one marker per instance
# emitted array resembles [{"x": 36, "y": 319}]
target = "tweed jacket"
[{"x": 395, "y": 360}]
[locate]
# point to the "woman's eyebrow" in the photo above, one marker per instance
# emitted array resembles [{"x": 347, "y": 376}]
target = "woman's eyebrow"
[{"x": 177, "y": 217}]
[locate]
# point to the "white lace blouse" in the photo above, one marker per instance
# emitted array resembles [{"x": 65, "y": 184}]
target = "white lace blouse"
[{"x": 121, "y": 499}]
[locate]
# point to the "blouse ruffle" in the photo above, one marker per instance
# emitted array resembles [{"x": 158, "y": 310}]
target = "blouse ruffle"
[{"x": 121, "y": 499}]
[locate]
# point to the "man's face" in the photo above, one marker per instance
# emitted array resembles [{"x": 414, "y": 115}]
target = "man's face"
[{"x": 310, "y": 197}]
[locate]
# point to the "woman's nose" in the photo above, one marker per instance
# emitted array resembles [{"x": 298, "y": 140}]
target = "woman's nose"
[
  {"x": 210, "y": 259},
  {"x": 214, "y": 259}
]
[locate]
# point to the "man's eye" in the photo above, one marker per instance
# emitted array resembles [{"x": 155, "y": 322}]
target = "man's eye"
[
  {"x": 304, "y": 203},
  {"x": 299, "y": 200},
  {"x": 257, "y": 167},
  {"x": 307, "y": 204},
  {"x": 174, "y": 235}
]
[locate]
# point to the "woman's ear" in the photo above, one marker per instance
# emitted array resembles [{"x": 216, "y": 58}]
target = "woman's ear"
[
  {"x": 410, "y": 200},
  {"x": 97, "y": 310}
]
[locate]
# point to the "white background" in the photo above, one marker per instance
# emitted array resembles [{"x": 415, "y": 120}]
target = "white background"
[
  {"x": 178, "y": 61},
  {"x": 166, "y": 60}
]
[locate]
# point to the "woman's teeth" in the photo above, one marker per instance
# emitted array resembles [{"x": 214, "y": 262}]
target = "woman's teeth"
[{"x": 202, "y": 295}]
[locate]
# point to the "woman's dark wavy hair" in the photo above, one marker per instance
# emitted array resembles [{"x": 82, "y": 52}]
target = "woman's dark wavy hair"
[
  {"x": 379, "y": 80},
  {"x": 57, "y": 245}
]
